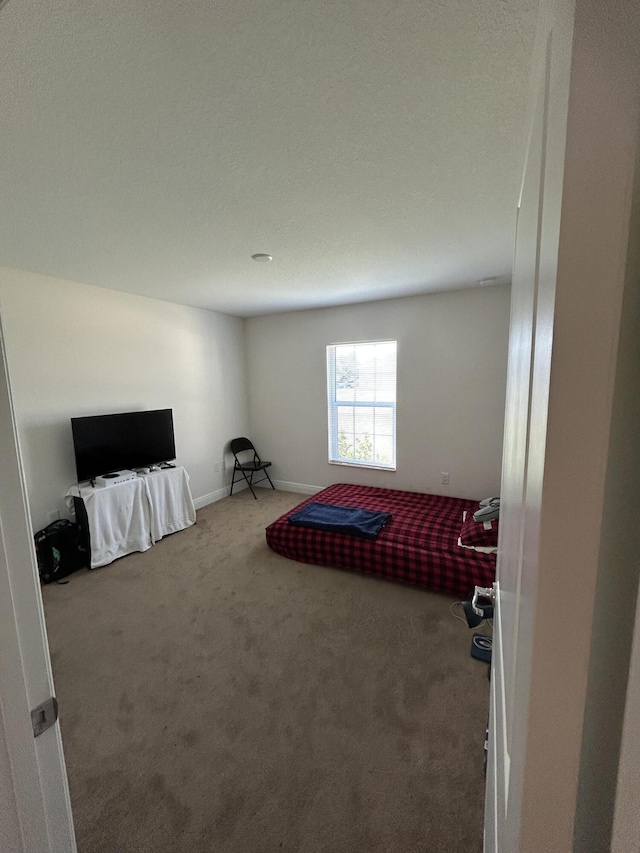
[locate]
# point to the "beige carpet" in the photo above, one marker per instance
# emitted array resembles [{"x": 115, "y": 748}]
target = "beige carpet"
[{"x": 217, "y": 697}]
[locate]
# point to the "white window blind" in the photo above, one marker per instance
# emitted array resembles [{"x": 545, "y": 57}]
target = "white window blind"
[{"x": 361, "y": 393}]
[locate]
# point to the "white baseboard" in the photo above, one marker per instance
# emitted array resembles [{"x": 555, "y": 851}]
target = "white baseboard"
[
  {"x": 301, "y": 488},
  {"x": 212, "y": 497},
  {"x": 218, "y": 495},
  {"x": 283, "y": 485}
]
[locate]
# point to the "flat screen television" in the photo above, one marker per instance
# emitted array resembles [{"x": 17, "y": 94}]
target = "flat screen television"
[{"x": 105, "y": 443}]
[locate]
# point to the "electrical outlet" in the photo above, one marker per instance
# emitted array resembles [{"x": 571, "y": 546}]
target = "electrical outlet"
[
  {"x": 216, "y": 467},
  {"x": 444, "y": 478},
  {"x": 54, "y": 515}
]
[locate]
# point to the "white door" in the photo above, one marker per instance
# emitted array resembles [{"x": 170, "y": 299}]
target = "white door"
[
  {"x": 530, "y": 342},
  {"x": 568, "y": 280},
  {"x": 35, "y": 808}
]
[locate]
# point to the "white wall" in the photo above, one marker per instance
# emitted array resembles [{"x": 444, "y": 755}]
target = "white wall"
[
  {"x": 76, "y": 350},
  {"x": 452, "y": 359}
]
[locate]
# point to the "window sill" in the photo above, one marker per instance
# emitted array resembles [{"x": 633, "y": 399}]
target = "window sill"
[{"x": 363, "y": 465}]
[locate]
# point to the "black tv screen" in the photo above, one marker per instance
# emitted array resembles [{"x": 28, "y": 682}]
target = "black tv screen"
[{"x": 106, "y": 443}]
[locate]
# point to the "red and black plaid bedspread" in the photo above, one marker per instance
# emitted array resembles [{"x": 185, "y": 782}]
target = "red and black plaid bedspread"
[{"x": 418, "y": 546}]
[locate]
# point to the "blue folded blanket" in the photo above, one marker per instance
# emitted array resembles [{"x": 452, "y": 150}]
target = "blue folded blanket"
[{"x": 341, "y": 519}]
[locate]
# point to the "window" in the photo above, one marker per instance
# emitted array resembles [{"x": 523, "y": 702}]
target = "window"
[{"x": 361, "y": 391}]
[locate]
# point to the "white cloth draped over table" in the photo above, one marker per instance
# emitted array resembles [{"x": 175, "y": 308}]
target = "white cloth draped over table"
[
  {"x": 172, "y": 506},
  {"x": 133, "y": 515}
]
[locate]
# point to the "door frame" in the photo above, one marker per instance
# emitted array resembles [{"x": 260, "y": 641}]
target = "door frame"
[{"x": 626, "y": 821}]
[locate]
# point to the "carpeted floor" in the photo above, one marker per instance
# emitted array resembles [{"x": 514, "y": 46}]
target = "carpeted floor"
[{"x": 218, "y": 698}]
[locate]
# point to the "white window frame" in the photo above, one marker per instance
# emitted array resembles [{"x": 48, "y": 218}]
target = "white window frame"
[{"x": 333, "y": 405}]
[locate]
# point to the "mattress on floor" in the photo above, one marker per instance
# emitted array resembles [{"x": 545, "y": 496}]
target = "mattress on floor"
[{"x": 419, "y": 545}]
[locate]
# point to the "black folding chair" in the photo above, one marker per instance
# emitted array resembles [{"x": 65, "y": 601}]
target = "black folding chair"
[{"x": 250, "y": 463}]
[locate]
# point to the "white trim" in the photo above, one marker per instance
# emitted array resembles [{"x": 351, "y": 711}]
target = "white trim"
[
  {"x": 300, "y": 488},
  {"x": 282, "y": 485},
  {"x": 364, "y": 465},
  {"x": 211, "y": 498},
  {"x": 626, "y": 820},
  {"x": 218, "y": 495}
]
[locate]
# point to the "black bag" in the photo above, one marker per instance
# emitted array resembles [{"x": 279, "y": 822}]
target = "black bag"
[{"x": 59, "y": 550}]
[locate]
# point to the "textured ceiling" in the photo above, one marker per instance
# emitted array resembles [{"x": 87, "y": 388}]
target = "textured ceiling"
[{"x": 374, "y": 148}]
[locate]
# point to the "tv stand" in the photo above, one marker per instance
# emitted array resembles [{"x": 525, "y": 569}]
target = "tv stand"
[{"x": 132, "y": 515}]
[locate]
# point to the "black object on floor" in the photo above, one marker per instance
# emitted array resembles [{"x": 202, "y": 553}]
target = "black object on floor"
[
  {"x": 473, "y": 618},
  {"x": 59, "y": 550},
  {"x": 481, "y": 647}
]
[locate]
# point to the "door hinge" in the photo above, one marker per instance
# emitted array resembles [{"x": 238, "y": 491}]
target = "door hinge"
[{"x": 44, "y": 716}]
